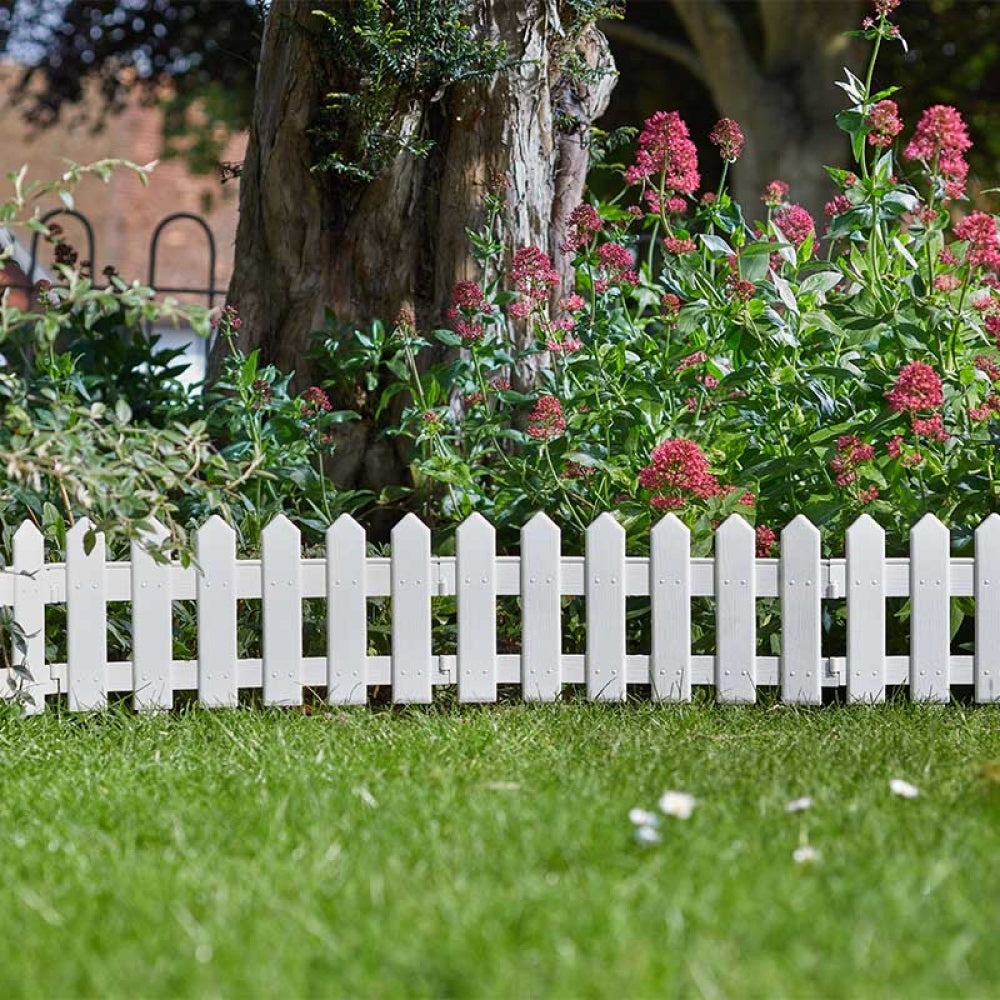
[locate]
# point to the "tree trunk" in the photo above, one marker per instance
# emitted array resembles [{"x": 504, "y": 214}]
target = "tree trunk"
[
  {"x": 780, "y": 88},
  {"x": 308, "y": 240}
]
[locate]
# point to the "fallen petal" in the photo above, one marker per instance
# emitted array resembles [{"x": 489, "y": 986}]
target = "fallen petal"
[
  {"x": 799, "y": 805},
  {"x": 677, "y": 804},
  {"x": 903, "y": 789},
  {"x": 642, "y": 817},
  {"x": 806, "y": 855},
  {"x": 647, "y": 835}
]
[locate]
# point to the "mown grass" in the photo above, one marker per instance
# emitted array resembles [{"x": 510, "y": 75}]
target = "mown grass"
[{"x": 487, "y": 853}]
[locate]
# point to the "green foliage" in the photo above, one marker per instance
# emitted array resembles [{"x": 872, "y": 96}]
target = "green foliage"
[{"x": 390, "y": 54}]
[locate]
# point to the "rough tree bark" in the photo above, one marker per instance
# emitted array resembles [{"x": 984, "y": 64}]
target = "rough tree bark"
[
  {"x": 783, "y": 95},
  {"x": 309, "y": 240}
]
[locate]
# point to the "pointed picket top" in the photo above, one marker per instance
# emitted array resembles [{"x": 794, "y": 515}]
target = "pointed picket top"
[
  {"x": 670, "y": 526},
  {"x": 540, "y": 526},
  {"x": 930, "y": 527},
  {"x": 736, "y": 526},
  {"x": 281, "y": 529},
  {"x": 605, "y": 525},
  {"x": 29, "y": 533},
  {"x": 475, "y": 526},
  {"x": 988, "y": 531},
  {"x": 76, "y": 534},
  {"x": 215, "y": 528},
  {"x": 343, "y": 528},
  {"x": 866, "y": 525},
  {"x": 799, "y": 527},
  {"x": 409, "y": 527},
  {"x": 151, "y": 536}
]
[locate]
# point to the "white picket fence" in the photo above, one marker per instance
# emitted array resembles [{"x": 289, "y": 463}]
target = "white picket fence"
[{"x": 541, "y": 576}]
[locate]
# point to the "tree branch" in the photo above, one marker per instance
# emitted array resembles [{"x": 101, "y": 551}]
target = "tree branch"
[
  {"x": 649, "y": 41},
  {"x": 730, "y": 69}
]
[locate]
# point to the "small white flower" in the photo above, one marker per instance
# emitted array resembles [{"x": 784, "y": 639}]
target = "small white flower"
[
  {"x": 647, "y": 835},
  {"x": 677, "y": 804},
  {"x": 799, "y": 805},
  {"x": 806, "y": 855},
  {"x": 642, "y": 817},
  {"x": 903, "y": 789}
]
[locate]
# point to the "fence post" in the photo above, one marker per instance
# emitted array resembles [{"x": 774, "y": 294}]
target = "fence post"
[
  {"x": 475, "y": 573},
  {"x": 541, "y": 613},
  {"x": 216, "y": 589},
  {"x": 152, "y": 624},
  {"x": 281, "y": 595},
  {"x": 930, "y": 611},
  {"x": 987, "y": 658},
  {"x": 865, "y": 611},
  {"x": 670, "y": 607},
  {"x": 346, "y": 613},
  {"x": 29, "y": 612},
  {"x": 86, "y": 621},
  {"x": 411, "y": 612},
  {"x": 801, "y": 635},
  {"x": 735, "y": 612},
  {"x": 605, "y": 601}
]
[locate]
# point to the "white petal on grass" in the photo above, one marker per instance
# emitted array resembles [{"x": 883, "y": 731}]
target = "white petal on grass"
[
  {"x": 677, "y": 804},
  {"x": 643, "y": 817},
  {"x": 799, "y": 805},
  {"x": 365, "y": 796},
  {"x": 903, "y": 789},
  {"x": 806, "y": 855},
  {"x": 647, "y": 835}
]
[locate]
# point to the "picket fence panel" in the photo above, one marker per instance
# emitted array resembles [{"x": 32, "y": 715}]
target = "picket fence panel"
[{"x": 541, "y": 578}]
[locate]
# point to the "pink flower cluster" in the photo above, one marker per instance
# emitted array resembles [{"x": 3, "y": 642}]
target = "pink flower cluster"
[
  {"x": 315, "y": 400},
  {"x": 795, "y": 222},
  {"x": 979, "y": 230},
  {"x": 884, "y": 123},
  {"x": 941, "y": 140},
  {"x": 533, "y": 276},
  {"x": 665, "y": 147},
  {"x": 931, "y": 427},
  {"x": 546, "y": 420},
  {"x": 678, "y": 472},
  {"x": 852, "y": 453},
  {"x": 617, "y": 262},
  {"x": 895, "y": 450},
  {"x": 675, "y": 244},
  {"x": 765, "y": 538},
  {"x": 837, "y": 206},
  {"x": 467, "y": 300},
  {"x": 670, "y": 307},
  {"x": 728, "y": 136},
  {"x": 917, "y": 387},
  {"x": 775, "y": 194},
  {"x": 584, "y": 222}
]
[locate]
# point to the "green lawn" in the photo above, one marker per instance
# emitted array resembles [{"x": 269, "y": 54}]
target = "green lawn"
[{"x": 488, "y": 853}]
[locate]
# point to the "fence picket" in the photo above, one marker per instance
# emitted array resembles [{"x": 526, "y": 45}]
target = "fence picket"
[
  {"x": 735, "y": 612},
  {"x": 475, "y": 573},
  {"x": 801, "y": 622},
  {"x": 987, "y": 586},
  {"x": 86, "y": 621},
  {"x": 865, "y": 611},
  {"x": 605, "y": 602},
  {"x": 670, "y": 606},
  {"x": 216, "y": 591},
  {"x": 541, "y": 614},
  {"x": 411, "y": 612},
  {"x": 930, "y": 611},
  {"x": 346, "y": 617},
  {"x": 29, "y": 613},
  {"x": 152, "y": 625},
  {"x": 281, "y": 593}
]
